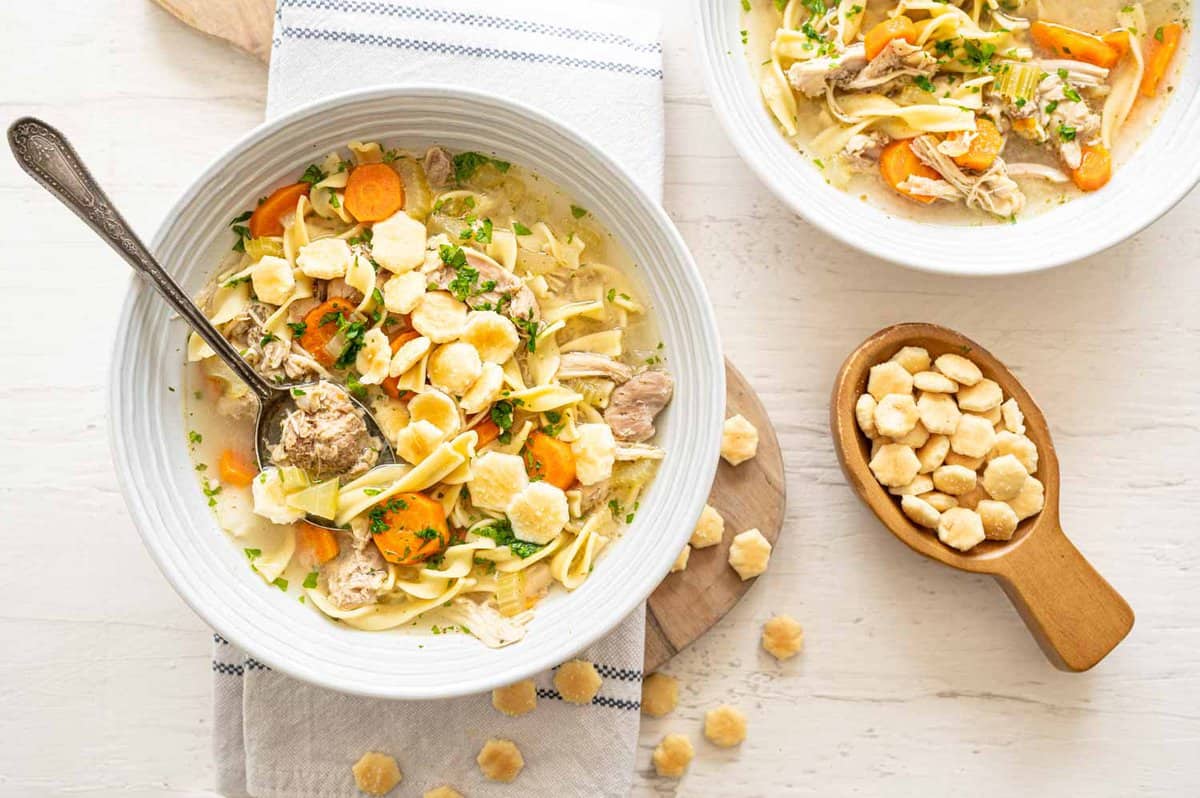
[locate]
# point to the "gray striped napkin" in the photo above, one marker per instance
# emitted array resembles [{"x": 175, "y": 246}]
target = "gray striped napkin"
[{"x": 597, "y": 68}]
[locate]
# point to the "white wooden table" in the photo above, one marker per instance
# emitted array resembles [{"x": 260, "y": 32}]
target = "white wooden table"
[{"x": 913, "y": 676}]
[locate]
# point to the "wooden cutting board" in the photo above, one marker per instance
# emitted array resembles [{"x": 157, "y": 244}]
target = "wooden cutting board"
[{"x": 686, "y": 604}]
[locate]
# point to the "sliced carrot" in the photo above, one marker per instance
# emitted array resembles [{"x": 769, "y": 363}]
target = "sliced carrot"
[
  {"x": 898, "y": 162},
  {"x": 900, "y": 27},
  {"x": 409, "y": 528},
  {"x": 317, "y": 546},
  {"x": 374, "y": 192},
  {"x": 549, "y": 459},
  {"x": 267, "y": 219},
  {"x": 1119, "y": 40},
  {"x": 1161, "y": 49},
  {"x": 1076, "y": 44},
  {"x": 391, "y": 385},
  {"x": 1095, "y": 168},
  {"x": 985, "y": 146},
  {"x": 487, "y": 432},
  {"x": 236, "y": 470},
  {"x": 320, "y": 327},
  {"x": 1027, "y": 127}
]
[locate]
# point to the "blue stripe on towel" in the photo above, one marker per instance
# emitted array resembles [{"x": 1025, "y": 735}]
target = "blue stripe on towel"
[
  {"x": 599, "y": 701},
  {"x": 458, "y": 49},
  {"x": 477, "y": 20}
]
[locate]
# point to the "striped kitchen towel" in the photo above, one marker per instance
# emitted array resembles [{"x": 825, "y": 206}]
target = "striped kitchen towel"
[{"x": 597, "y": 68}]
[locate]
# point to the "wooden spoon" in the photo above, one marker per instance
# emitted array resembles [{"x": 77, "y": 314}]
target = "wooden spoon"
[{"x": 1076, "y": 616}]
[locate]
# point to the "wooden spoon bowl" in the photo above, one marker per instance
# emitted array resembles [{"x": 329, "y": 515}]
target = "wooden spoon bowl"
[{"x": 1076, "y": 616}]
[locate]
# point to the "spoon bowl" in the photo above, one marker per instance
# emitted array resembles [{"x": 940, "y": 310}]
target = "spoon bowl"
[
  {"x": 1074, "y": 614},
  {"x": 43, "y": 152}
]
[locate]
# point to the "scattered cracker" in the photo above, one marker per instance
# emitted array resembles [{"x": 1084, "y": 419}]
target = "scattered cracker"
[
  {"x": 376, "y": 773},
  {"x": 500, "y": 760},
  {"x": 673, "y": 755},
  {"x": 515, "y": 699},
  {"x": 660, "y": 695},
  {"x": 782, "y": 637},
  {"x": 577, "y": 681},
  {"x": 725, "y": 726}
]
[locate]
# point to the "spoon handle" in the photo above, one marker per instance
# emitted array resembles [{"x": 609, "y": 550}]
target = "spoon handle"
[
  {"x": 49, "y": 158},
  {"x": 1074, "y": 613}
]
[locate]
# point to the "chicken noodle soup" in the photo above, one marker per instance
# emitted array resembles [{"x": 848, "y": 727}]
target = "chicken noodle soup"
[
  {"x": 499, "y": 338},
  {"x": 997, "y": 106}
]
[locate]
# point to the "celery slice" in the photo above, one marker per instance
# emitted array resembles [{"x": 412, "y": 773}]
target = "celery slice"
[
  {"x": 320, "y": 500},
  {"x": 1018, "y": 82}
]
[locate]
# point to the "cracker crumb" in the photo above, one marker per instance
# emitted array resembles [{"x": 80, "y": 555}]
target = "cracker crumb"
[
  {"x": 500, "y": 760},
  {"x": 515, "y": 699},
  {"x": 673, "y": 755},
  {"x": 577, "y": 681},
  {"x": 739, "y": 440},
  {"x": 725, "y": 726},
  {"x": 660, "y": 694},
  {"x": 682, "y": 560},
  {"x": 709, "y": 529},
  {"x": 445, "y": 791},
  {"x": 376, "y": 773},
  {"x": 782, "y": 637}
]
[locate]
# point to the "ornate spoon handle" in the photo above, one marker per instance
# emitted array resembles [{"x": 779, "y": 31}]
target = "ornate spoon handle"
[{"x": 49, "y": 158}]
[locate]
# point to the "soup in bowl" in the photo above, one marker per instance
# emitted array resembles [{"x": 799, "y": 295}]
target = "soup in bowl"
[
  {"x": 611, "y": 279},
  {"x": 965, "y": 111}
]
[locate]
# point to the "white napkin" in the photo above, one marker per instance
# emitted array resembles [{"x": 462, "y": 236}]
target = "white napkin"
[{"x": 597, "y": 68}]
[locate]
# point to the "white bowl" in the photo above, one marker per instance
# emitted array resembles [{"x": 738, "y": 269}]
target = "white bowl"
[
  {"x": 1162, "y": 170},
  {"x": 148, "y": 428}
]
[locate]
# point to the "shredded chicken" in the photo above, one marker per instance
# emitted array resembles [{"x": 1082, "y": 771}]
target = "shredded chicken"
[
  {"x": 862, "y": 150},
  {"x": 439, "y": 166},
  {"x": 1026, "y": 169},
  {"x": 898, "y": 59},
  {"x": 505, "y": 292},
  {"x": 811, "y": 77},
  {"x": 486, "y": 623},
  {"x": 589, "y": 364},
  {"x": 635, "y": 405},
  {"x": 355, "y": 577},
  {"x": 993, "y": 191}
]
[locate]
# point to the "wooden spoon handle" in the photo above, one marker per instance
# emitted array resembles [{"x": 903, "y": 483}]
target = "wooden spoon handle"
[{"x": 1076, "y": 616}]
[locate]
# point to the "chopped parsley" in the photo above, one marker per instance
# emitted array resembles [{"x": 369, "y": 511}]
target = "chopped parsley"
[
  {"x": 241, "y": 231},
  {"x": 297, "y": 327},
  {"x": 280, "y": 583},
  {"x": 502, "y": 532},
  {"x": 268, "y": 338},
  {"x": 362, "y": 238},
  {"x": 310, "y": 581},
  {"x": 252, "y": 554},
  {"x": 195, "y": 438},
  {"x": 923, "y": 83},
  {"x": 355, "y": 387},
  {"x": 554, "y": 423},
  {"x": 467, "y": 163},
  {"x": 312, "y": 175},
  {"x": 377, "y": 517},
  {"x": 478, "y": 229},
  {"x": 578, "y": 212},
  {"x": 1066, "y": 132},
  {"x": 502, "y": 416},
  {"x": 521, "y": 230},
  {"x": 978, "y": 55},
  {"x": 1071, "y": 94},
  {"x": 298, "y": 392},
  {"x": 528, "y": 326}
]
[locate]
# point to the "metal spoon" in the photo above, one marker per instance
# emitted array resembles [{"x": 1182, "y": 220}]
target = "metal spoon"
[
  {"x": 1075, "y": 615},
  {"x": 48, "y": 157}
]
